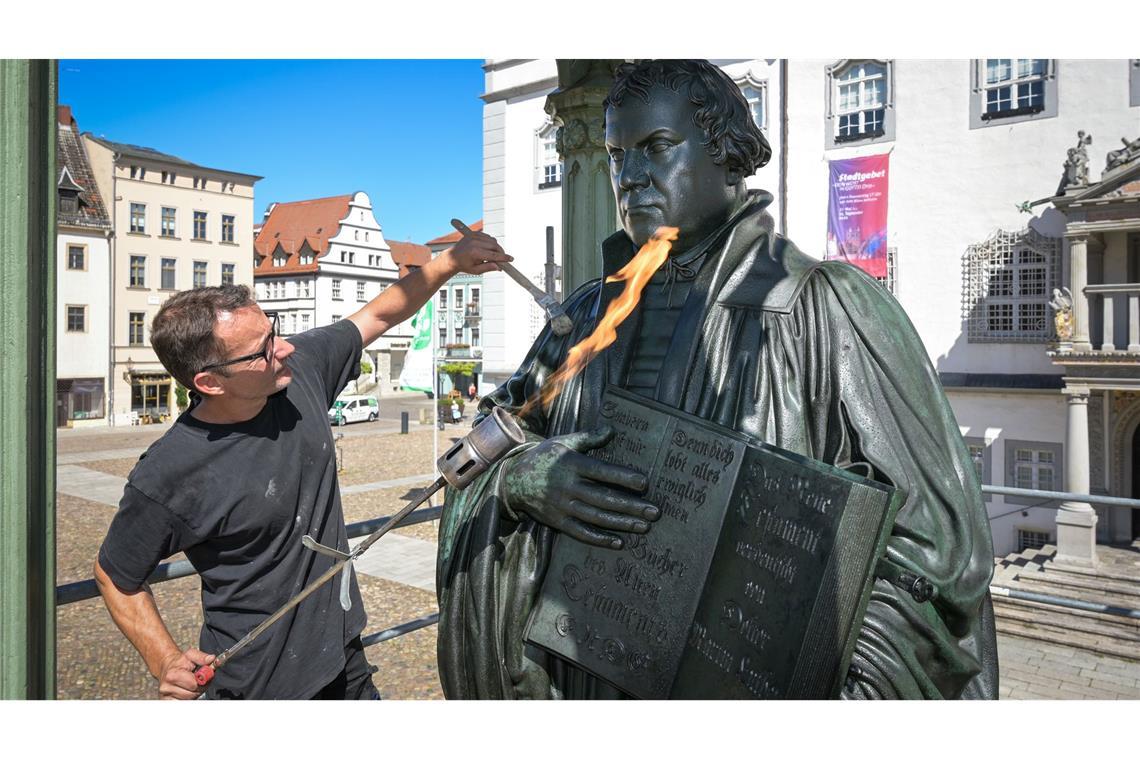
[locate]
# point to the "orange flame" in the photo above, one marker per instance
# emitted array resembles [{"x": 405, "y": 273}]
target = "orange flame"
[{"x": 636, "y": 275}]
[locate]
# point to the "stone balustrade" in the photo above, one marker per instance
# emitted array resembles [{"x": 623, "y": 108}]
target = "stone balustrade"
[{"x": 1105, "y": 305}]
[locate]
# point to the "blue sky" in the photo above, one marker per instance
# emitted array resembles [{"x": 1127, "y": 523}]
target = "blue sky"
[{"x": 408, "y": 133}]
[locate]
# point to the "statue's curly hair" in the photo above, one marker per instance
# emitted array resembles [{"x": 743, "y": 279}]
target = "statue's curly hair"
[{"x": 731, "y": 136}]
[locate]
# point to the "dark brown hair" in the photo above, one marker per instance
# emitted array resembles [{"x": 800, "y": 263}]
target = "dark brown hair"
[
  {"x": 731, "y": 136},
  {"x": 182, "y": 332}
]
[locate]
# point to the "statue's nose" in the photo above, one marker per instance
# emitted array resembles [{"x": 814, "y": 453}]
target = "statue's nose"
[{"x": 634, "y": 172}]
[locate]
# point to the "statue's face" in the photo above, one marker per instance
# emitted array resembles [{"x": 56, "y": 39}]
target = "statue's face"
[{"x": 661, "y": 173}]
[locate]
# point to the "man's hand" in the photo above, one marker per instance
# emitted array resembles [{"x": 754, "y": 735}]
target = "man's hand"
[
  {"x": 176, "y": 677},
  {"x": 558, "y": 485},
  {"x": 475, "y": 253}
]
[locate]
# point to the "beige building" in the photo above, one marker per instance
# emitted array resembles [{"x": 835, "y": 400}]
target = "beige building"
[{"x": 177, "y": 225}]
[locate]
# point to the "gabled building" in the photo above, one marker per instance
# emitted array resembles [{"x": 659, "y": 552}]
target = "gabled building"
[
  {"x": 83, "y": 311},
  {"x": 177, "y": 225},
  {"x": 321, "y": 260}
]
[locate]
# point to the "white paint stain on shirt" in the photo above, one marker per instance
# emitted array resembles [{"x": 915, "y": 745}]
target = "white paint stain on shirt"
[{"x": 271, "y": 489}]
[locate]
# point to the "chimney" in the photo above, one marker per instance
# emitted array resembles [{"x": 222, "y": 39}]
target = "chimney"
[{"x": 64, "y": 115}]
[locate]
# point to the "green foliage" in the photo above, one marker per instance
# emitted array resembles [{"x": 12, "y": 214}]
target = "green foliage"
[
  {"x": 456, "y": 368},
  {"x": 365, "y": 367},
  {"x": 181, "y": 397}
]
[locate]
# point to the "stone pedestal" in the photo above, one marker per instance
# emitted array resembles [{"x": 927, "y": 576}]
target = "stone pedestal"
[
  {"x": 1076, "y": 520},
  {"x": 589, "y": 214}
]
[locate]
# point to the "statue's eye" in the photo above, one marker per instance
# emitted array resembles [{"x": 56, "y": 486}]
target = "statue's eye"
[
  {"x": 617, "y": 155},
  {"x": 658, "y": 146}
]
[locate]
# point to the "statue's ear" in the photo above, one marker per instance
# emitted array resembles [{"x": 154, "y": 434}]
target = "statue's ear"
[{"x": 733, "y": 176}]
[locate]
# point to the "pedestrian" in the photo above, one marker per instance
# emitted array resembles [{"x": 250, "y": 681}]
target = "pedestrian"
[
  {"x": 455, "y": 415},
  {"x": 240, "y": 478},
  {"x": 471, "y": 392}
]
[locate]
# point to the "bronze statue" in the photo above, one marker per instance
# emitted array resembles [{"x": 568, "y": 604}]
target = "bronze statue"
[{"x": 740, "y": 328}]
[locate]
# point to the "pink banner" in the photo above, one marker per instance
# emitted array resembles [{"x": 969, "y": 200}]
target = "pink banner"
[{"x": 857, "y": 213}]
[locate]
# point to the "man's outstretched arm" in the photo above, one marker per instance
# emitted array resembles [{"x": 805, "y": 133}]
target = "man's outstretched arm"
[{"x": 137, "y": 616}]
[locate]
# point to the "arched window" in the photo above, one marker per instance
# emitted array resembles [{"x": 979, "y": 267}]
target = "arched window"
[{"x": 860, "y": 103}]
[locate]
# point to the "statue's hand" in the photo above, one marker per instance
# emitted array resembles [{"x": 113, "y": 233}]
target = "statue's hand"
[{"x": 558, "y": 485}]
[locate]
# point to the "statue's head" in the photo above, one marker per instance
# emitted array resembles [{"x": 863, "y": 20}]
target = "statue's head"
[{"x": 681, "y": 141}]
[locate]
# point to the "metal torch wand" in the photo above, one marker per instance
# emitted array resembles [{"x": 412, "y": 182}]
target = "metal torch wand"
[{"x": 468, "y": 458}]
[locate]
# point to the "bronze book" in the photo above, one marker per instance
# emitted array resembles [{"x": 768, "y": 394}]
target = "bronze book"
[{"x": 752, "y": 584}]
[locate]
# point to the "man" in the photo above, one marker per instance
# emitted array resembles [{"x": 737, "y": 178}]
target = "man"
[
  {"x": 742, "y": 329},
  {"x": 238, "y": 481}
]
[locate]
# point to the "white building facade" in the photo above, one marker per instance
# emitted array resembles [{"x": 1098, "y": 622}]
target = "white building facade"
[
  {"x": 177, "y": 226},
  {"x": 971, "y": 258},
  {"x": 321, "y": 260},
  {"x": 83, "y": 282}
]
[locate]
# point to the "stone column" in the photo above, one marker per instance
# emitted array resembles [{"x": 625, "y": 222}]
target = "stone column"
[
  {"x": 589, "y": 214},
  {"x": 1078, "y": 279},
  {"x": 1076, "y": 520}
]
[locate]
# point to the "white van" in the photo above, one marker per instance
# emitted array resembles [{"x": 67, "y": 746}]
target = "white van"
[{"x": 354, "y": 409}]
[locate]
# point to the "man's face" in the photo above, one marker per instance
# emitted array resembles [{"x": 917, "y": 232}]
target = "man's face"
[
  {"x": 245, "y": 331},
  {"x": 662, "y": 175}
]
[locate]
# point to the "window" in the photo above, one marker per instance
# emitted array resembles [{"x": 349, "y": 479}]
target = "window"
[
  {"x": 352, "y": 257},
  {"x": 200, "y": 274},
  {"x": 474, "y": 301},
  {"x": 199, "y": 225},
  {"x": 227, "y": 228},
  {"x": 168, "y": 219},
  {"x": 860, "y": 102},
  {"x": 474, "y": 337},
  {"x": 1031, "y": 539},
  {"x": 76, "y": 257},
  {"x": 1013, "y": 88},
  {"x": 138, "y": 272},
  {"x": 199, "y": 183},
  {"x": 1034, "y": 465},
  {"x": 443, "y": 336},
  {"x": 134, "y": 172},
  {"x": 227, "y": 274},
  {"x": 168, "y": 178},
  {"x": 981, "y": 456},
  {"x": 305, "y": 291},
  {"x": 84, "y": 397},
  {"x": 77, "y": 319},
  {"x": 135, "y": 321},
  {"x": 280, "y": 258},
  {"x": 365, "y": 237},
  {"x": 336, "y": 289},
  {"x": 755, "y": 91},
  {"x": 336, "y": 318},
  {"x": 360, "y": 291},
  {"x": 1009, "y": 282},
  {"x": 443, "y": 299},
  {"x": 138, "y": 218},
  {"x": 304, "y": 321},
  {"x": 356, "y": 234},
  {"x": 890, "y": 279},
  {"x": 168, "y": 268},
  {"x": 548, "y": 166},
  {"x": 306, "y": 257},
  {"x": 458, "y": 334}
]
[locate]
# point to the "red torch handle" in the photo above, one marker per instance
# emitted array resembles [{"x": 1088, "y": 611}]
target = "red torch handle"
[{"x": 203, "y": 674}]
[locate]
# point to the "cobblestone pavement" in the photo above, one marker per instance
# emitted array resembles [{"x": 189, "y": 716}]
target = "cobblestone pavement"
[{"x": 94, "y": 660}]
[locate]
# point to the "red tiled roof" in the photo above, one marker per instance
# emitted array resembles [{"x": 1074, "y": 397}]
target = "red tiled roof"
[
  {"x": 408, "y": 255},
  {"x": 291, "y": 226},
  {"x": 73, "y": 165},
  {"x": 454, "y": 237}
]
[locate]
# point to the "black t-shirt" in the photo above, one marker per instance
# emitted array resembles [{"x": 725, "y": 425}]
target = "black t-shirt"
[{"x": 237, "y": 499}]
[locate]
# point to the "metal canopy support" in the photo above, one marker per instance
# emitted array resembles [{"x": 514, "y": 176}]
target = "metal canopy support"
[{"x": 27, "y": 378}]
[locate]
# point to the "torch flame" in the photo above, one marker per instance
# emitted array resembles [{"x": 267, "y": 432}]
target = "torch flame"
[{"x": 636, "y": 275}]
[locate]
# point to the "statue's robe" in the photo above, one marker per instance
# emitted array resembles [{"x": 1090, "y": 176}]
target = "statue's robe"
[{"x": 813, "y": 357}]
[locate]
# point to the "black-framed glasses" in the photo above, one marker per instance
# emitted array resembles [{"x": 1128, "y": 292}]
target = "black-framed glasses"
[{"x": 265, "y": 353}]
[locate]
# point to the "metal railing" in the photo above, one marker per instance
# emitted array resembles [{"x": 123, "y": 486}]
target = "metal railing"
[
  {"x": 69, "y": 593},
  {"x": 78, "y": 591}
]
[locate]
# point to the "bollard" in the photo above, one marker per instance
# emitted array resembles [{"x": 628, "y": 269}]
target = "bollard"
[{"x": 403, "y": 423}]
